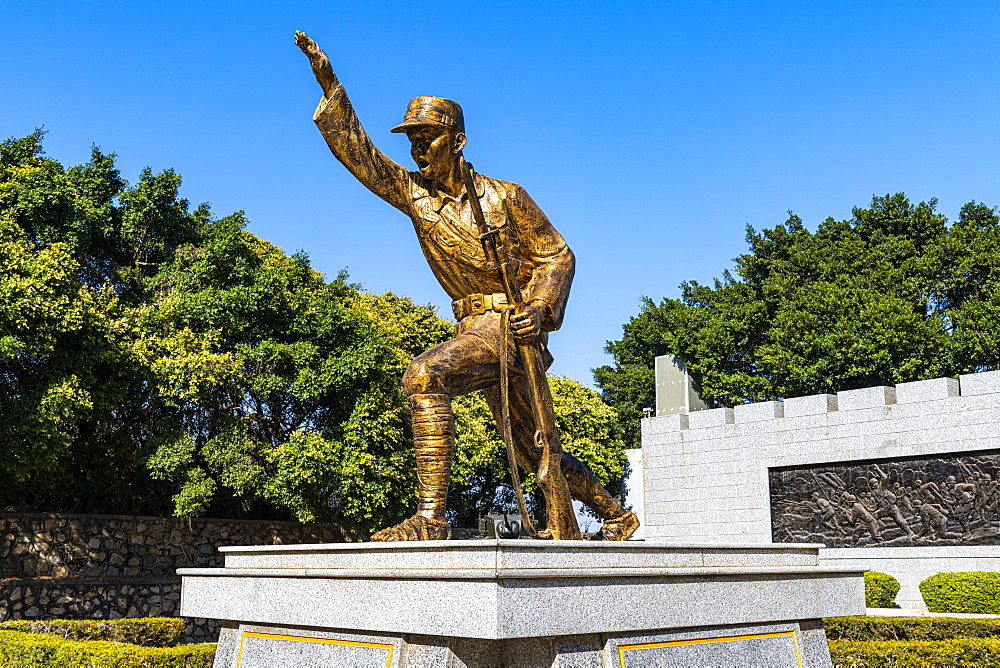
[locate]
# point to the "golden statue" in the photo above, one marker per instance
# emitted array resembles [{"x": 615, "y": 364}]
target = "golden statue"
[{"x": 509, "y": 273}]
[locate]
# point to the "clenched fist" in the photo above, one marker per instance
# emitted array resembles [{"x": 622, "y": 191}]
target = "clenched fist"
[{"x": 527, "y": 322}]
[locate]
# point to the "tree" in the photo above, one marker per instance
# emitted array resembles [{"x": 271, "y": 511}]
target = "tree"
[
  {"x": 148, "y": 350},
  {"x": 480, "y": 474},
  {"x": 156, "y": 359},
  {"x": 893, "y": 294},
  {"x": 288, "y": 389},
  {"x": 71, "y": 390}
]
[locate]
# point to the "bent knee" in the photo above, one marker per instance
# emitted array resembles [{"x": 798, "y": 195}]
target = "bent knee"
[{"x": 422, "y": 378}]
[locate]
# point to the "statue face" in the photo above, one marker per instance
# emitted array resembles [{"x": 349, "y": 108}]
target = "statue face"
[{"x": 435, "y": 149}]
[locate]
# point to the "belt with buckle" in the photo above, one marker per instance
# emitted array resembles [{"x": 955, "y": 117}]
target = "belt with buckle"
[{"x": 478, "y": 304}]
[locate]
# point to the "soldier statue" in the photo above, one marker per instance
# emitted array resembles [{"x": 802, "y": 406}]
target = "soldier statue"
[{"x": 436, "y": 200}]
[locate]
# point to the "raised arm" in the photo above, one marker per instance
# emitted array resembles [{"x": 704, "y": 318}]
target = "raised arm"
[
  {"x": 321, "y": 67},
  {"x": 348, "y": 141},
  {"x": 882, "y": 476}
]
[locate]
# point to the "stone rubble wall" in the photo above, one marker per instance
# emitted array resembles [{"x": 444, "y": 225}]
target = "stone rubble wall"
[
  {"x": 56, "y": 566},
  {"x": 705, "y": 474},
  {"x": 54, "y": 545},
  {"x": 101, "y": 598}
]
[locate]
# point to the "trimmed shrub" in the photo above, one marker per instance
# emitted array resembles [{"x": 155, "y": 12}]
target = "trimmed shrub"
[
  {"x": 979, "y": 652},
  {"x": 146, "y": 631},
  {"x": 880, "y": 589},
  {"x": 909, "y": 628},
  {"x": 43, "y": 650},
  {"x": 977, "y": 592}
]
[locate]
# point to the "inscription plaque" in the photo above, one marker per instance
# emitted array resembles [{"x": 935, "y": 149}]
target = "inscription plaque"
[
  {"x": 266, "y": 650},
  {"x": 915, "y": 501},
  {"x": 763, "y": 649}
]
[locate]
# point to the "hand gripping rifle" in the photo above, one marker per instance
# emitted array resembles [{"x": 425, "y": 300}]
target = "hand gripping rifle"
[{"x": 561, "y": 520}]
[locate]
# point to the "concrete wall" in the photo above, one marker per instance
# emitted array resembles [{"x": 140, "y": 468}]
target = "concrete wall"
[
  {"x": 634, "y": 497},
  {"x": 705, "y": 473},
  {"x": 675, "y": 392}
]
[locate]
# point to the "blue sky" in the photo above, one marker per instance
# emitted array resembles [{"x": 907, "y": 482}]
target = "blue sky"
[{"x": 650, "y": 133}]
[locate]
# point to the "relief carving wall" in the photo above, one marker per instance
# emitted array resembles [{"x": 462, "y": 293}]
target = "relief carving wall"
[{"x": 918, "y": 501}]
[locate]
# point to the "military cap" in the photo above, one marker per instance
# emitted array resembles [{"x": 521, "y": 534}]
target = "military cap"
[{"x": 428, "y": 110}]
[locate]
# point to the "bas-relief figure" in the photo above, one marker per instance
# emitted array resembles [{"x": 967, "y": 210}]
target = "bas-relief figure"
[
  {"x": 508, "y": 272},
  {"x": 944, "y": 500}
]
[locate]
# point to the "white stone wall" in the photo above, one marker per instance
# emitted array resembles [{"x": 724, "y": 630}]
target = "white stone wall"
[
  {"x": 634, "y": 498},
  {"x": 705, "y": 473}
]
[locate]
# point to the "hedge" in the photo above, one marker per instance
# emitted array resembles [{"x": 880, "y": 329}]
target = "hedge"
[
  {"x": 978, "y": 592},
  {"x": 43, "y": 650},
  {"x": 909, "y": 628},
  {"x": 978, "y": 652},
  {"x": 880, "y": 589},
  {"x": 147, "y": 631}
]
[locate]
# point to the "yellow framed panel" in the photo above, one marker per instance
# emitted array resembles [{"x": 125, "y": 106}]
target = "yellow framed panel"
[
  {"x": 702, "y": 641},
  {"x": 325, "y": 641}
]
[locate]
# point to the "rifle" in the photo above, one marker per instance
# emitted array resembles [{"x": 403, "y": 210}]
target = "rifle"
[{"x": 561, "y": 520}]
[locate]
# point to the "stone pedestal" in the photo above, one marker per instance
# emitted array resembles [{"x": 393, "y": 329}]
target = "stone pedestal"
[{"x": 521, "y": 603}]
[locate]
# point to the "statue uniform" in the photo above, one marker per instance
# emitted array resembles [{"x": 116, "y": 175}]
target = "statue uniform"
[{"x": 536, "y": 255}]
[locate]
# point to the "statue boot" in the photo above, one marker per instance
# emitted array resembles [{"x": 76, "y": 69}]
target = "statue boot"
[
  {"x": 434, "y": 443},
  {"x": 619, "y": 523}
]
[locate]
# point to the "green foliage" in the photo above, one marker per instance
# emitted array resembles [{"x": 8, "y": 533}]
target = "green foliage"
[
  {"x": 480, "y": 478},
  {"x": 158, "y": 359},
  {"x": 975, "y": 592},
  {"x": 148, "y": 351},
  {"x": 880, "y": 589},
  {"x": 893, "y": 294},
  {"x": 980, "y": 653},
  {"x": 44, "y": 650},
  {"x": 588, "y": 430},
  {"x": 65, "y": 363},
  {"x": 147, "y": 631},
  {"x": 909, "y": 628},
  {"x": 283, "y": 387}
]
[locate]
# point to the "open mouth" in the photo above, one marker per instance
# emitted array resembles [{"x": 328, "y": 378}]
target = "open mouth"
[{"x": 423, "y": 164}]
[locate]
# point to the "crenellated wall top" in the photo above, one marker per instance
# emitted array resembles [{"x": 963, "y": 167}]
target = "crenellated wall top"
[{"x": 920, "y": 391}]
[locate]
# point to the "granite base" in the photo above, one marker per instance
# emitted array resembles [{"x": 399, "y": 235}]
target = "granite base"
[{"x": 522, "y": 603}]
